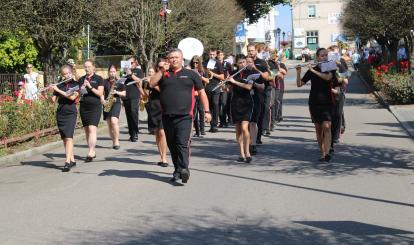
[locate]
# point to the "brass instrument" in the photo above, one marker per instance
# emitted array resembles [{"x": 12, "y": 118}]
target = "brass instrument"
[
  {"x": 142, "y": 102},
  {"x": 210, "y": 75},
  {"x": 110, "y": 100}
]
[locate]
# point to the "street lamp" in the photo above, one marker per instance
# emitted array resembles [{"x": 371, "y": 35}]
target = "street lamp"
[
  {"x": 165, "y": 11},
  {"x": 278, "y": 37}
]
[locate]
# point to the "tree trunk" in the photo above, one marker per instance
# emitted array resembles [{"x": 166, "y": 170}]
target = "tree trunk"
[
  {"x": 393, "y": 48},
  {"x": 409, "y": 46}
]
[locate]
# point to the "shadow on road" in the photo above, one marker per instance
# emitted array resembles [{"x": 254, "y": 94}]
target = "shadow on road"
[
  {"x": 140, "y": 174},
  {"x": 239, "y": 229}
]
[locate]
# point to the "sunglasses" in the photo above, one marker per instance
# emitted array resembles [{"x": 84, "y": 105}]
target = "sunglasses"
[
  {"x": 195, "y": 62},
  {"x": 29, "y": 67}
]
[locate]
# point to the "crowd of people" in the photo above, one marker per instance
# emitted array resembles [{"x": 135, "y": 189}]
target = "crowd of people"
[{"x": 245, "y": 91}]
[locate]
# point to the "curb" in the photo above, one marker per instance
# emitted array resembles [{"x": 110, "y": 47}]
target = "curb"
[{"x": 391, "y": 108}]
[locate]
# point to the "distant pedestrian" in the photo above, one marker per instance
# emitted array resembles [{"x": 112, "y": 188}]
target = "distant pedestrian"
[
  {"x": 356, "y": 59},
  {"x": 31, "y": 78}
]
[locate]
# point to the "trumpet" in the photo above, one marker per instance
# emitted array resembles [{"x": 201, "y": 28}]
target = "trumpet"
[
  {"x": 210, "y": 74},
  {"x": 226, "y": 80}
]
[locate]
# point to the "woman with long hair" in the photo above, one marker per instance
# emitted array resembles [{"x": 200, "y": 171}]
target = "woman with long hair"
[
  {"x": 321, "y": 101},
  {"x": 114, "y": 90},
  {"x": 196, "y": 64},
  {"x": 66, "y": 114},
  {"x": 155, "y": 111},
  {"x": 91, "y": 90},
  {"x": 241, "y": 107}
]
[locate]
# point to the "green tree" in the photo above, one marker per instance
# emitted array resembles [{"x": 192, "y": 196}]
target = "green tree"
[
  {"x": 386, "y": 21},
  {"x": 255, "y": 9},
  {"x": 51, "y": 24},
  {"x": 16, "y": 50}
]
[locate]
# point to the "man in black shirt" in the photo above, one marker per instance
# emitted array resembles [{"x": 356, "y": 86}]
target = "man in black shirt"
[
  {"x": 177, "y": 87},
  {"x": 216, "y": 73},
  {"x": 225, "y": 94},
  {"x": 259, "y": 95},
  {"x": 131, "y": 100}
]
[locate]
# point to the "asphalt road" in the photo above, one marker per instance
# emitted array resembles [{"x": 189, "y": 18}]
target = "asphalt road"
[{"x": 285, "y": 196}]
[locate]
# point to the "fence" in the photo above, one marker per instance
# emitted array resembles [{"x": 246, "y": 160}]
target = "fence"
[{"x": 8, "y": 82}]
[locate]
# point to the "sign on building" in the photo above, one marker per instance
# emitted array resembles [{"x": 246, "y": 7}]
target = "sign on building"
[
  {"x": 240, "y": 33},
  {"x": 334, "y": 18}
]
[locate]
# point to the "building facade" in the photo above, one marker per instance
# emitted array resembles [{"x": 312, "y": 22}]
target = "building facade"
[
  {"x": 263, "y": 31},
  {"x": 316, "y": 23}
]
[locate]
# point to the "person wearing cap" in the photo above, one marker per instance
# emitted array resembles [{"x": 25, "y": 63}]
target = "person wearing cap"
[
  {"x": 71, "y": 63},
  {"x": 20, "y": 92}
]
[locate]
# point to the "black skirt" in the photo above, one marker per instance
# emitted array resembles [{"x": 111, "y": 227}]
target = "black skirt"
[
  {"x": 114, "y": 112},
  {"x": 90, "y": 113},
  {"x": 66, "y": 116},
  {"x": 241, "y": 108},
  {"x": 155, "y": 111},
  {"x": 321, "y": 113}
]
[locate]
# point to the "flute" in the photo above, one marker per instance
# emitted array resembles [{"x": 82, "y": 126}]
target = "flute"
[
  {"x": 57, "y": 84},
  {"x": 226, "y": 80}
]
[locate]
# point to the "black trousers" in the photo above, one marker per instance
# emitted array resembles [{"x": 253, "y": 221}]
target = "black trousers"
[
  {"x": 177, "y": 131},
  {"x": 224, "y": 107},
  {"x": 131, "y": 111},
  {"x": 261, "y": 117},
  {"x": 268, "y": 107},
  {"x": 337, "y": 117},
  {"x": 198, "y": 116},
  {"x": 278, "y": 111},
  {"x": 213, "y": 100}
]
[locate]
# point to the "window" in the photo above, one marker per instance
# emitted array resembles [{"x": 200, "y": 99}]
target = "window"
[
  {"x": 311, "y": 11},
  {"x": 312, "y": 39}
]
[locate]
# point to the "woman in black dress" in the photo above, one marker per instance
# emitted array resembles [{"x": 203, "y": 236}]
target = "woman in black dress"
[
  {"x": 91, "y": 90},
  {"x": 112, "y": 117},
  {"x": 320, "y": 101},
  {"x": 155, "y": 112},
  {"x": 241, "y": 107},
  {"x": 66, "y": 94},
  {"x": 196, "y": 64}
]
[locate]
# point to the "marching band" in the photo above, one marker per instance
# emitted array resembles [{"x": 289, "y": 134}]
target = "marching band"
[{"x": 178, "y": 99}]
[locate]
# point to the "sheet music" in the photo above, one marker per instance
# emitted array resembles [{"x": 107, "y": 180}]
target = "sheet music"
[
  {"x": 72, "y": 90},
  {"x": 211, "y": 64},
  {"x": 121, "y": 80},
  {"x": 125, "y": 64},
  {"x": 328, "y": 66},
  {"x": 252, "y": 77}
]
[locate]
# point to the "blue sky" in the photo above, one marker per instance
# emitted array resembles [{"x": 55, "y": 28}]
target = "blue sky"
[{"x": 283, "y": 21}]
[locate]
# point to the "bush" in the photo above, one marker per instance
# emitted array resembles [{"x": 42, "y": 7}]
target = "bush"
[
  {"x": 397, "y": 88},
  {"x": 20, "y": 118}
]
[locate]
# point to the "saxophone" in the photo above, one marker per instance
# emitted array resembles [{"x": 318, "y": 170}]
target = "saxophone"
[{"x": 110, "y": 101}]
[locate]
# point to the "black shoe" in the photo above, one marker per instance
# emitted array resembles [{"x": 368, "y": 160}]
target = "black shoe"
[
  {"x": 67, "y": 167},
  {"x": 328, "y": 158},
  {"x": 203, "y": 133},
  {"x": 89, "y": 158},
  {"x": 220, "y": 125},
  {"x": 73, "y": 164},
  {"x": 259, "y": 142},
  {"x": 331, "y": 150},
  {"x": 248, "y": 159},
  {"x": 267, "y": 133},
  {"x": 185, "y": 175},
  {"x": 196, "y": 135},
  {"x": 163, "y": 164},
  {"x": 176, "y": 176},
  {"x": 116, "y": 147},
  {"x": 133, "y": 139},
  {"x": 241, "y": 159},
  {"x": 214, "y": 130},
  {"x": 253, "y": 150}
]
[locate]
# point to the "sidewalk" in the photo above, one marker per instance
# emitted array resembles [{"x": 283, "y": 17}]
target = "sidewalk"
[{"x": 403, "y": 113}]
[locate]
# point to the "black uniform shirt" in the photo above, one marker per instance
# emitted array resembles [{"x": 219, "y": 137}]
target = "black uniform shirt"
[
  {"x": 87, "y": 96},
  {"x": 320, "y": 93},
  {"x": 66, "y": 105},
  {"x": 261, "y": 66},
  {"x": 132, "y": 91},
  {"x": 177, "y": 91},
  {"x": 218, "y": 69}
]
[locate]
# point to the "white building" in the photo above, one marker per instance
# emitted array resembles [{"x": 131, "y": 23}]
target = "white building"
[
  {"x": 316, "y": 23},
  {"x": 262, "y": 31}
]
